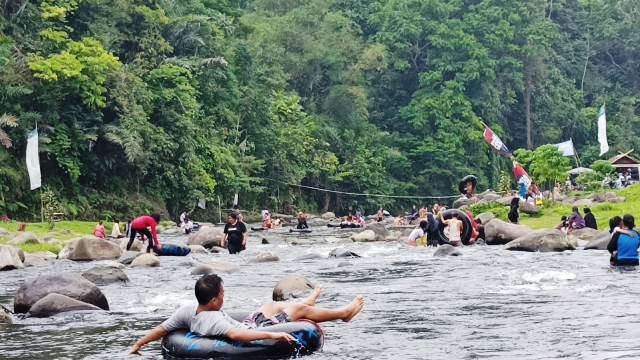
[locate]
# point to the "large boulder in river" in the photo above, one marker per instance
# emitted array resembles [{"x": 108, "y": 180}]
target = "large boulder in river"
[
  {"x": 328, "y": 215},
  {"x": 265, "y": 257},
  {"x": 498, "y": 232},
  {"x": 55, "y": 303},
  {"x": 198, "y": 249},
  {"x": 447, "y": 250},
  {"x": 207, "y": 236},
  {"x": 92, "y": 248},
  {"x": 380, "y": 230},
  {"x": 34, "y": 260},
  {"x": 292, "y": 287},
  {"x": 5, "y": 317},
  {"x": 24, "y": 238},
  {"x": 341, "y": 253},
  {"x": 71, "y": 285},
  {"x": 463, "y": 201},
  {"x": 135, "y": 246},
  {"x": 544, "y": 240},
  {"x": 104, "y": 275},
  {"x": 214, "y": 268},
  {"x": 146, "y": 260},
  {"x": 364, "y": 236},
  {"x": 10, "y": 258},
  {"x": 528, "y": 208},
  {"x": 485, "y": 217},
  {"x": 586, "y": 234},
  {"x": 600, "y": 242},
  {"x": 128, "y": 257}
]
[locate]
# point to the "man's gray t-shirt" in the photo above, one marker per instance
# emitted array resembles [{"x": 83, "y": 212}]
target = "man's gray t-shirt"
[{"x": 206, "y": 323}]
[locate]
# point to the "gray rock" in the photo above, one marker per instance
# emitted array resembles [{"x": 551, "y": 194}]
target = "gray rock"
[
  {"x": 47, "y": 255},
  {"x": 586, "y": 234},
  {"x": 364, "y": 236},
  {"x": 485, "y": 217},
  {"x": 24, "y": 238},
  {"x": 463, "y": 201},
  {"x": 341, "y": 253},
  {"x": 4, "y": 234},
  {"x": 380, "y": 230},
  {"x": 491, "y": 197},
  {"x": 529, "y": 208},
  {"x": 214, "y": 268},
  {"x": 5, "y": 317},
  {"x": 447, "y": 250},
  {"x": 135, "y": 246},
  {"x": 328, "y": 215},
  {"x": 53, "y": 304},
  {"x": 544, "y": 240},
  {"x": 207, "y": 236},
  {"x": 128, "y": 257},
  {"x": 104, "y": 275},
  {"x": 198, "y": 249},
  {"x": 92, "y": 248},
  {"x": 292, "y": 287},
  {"x": 583, "y": 202},
  {"x": 310, "y": 256},
  {"x": 10, "y": 258},
  {"x": 600, "y": 242},
  {"x": 34, "y": 260},
  {"x": 146, "y": 260},
  {"x": 265, "y": 257},
  {"x": 71, "y": 285},
  {"x": 498, "y": 232}
]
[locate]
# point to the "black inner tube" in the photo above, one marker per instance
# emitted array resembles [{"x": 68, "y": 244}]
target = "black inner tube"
[{"x": 467, "y": 229}]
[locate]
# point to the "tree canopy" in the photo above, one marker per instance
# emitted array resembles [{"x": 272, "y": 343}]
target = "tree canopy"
[{"x": 155, "y": 104}]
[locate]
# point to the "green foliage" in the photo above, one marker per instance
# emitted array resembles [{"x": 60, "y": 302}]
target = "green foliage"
[
  {"x": 169, "y": 102},
  {"x": 603, "y": 167}
]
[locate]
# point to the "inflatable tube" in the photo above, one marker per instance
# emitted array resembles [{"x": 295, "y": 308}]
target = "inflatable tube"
[
  {"x": 345, "y": 226},
  {"x": 466, "y": 225},
  {"x": 303, "y": 231},
  {"x": 173, "y": 250},
  {"x": 259, "y": 229},
  {"x": 183, "y": 344}
]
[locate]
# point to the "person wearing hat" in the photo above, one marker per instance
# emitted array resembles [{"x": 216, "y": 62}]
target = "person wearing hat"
[
  {"x": 467, "y": 186},
  {"x": 302, "y": 221}
]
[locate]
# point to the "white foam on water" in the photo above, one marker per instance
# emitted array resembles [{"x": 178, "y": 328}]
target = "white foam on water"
[{"x": 548, "y": 276}]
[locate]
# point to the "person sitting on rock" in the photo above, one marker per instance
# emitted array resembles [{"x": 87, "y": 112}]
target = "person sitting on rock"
[
  {"x": 207, "y": 319},
  {"x": 380, "y": 215},
  {"x": 564, "y": 225},
  {"x": 349, "y": 222},
  {"x": 575, "y": 220},
  {"x": 302, "y": 221},
  {"x": 142, "y": 225},
  {"x": 624, "y": 243},
  {"x": 99, "y": 231},
  {"x": 589, "y": 219}
]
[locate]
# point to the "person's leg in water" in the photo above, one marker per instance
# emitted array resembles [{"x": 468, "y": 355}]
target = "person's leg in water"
[
  {"x": 297, "y": 311},
  {"x": 150, "y": 243},
  {"x": 311, "y": 299},
  {"x": 131, "y": 238}
]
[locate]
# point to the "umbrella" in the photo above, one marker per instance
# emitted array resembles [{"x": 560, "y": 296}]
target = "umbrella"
[
  {"x": 579, "y": 171},
  {"x": 463, "y": 183}
]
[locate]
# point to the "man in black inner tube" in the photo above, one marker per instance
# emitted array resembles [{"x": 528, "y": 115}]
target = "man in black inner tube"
[{"x": 207, "y": 319}]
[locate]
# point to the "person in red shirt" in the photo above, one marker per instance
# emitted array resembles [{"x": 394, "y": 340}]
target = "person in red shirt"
[{"x": 140, "y": 225}]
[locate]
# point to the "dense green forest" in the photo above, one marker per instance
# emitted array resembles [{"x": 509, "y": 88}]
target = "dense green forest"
[{"x": 157, "y": 103}]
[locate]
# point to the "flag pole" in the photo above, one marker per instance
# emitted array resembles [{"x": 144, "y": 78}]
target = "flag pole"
[{"x": 575, "y": 153}]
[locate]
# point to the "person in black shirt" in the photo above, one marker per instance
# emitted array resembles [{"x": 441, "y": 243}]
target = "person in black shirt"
[
  {"x": 235, "y": 234},
  {"x": 589, "y": 219},
  {"x": 302, "y": 222}
]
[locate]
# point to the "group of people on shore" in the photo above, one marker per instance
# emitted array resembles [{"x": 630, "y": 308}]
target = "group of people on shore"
[{"x": 576, "y": 221}]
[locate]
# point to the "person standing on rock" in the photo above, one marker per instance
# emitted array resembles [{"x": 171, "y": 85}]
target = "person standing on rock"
[
  {"x": 141, "y": 225},
  {"x": 589, "y": 219},
  {"x": 235, "y": 235}
]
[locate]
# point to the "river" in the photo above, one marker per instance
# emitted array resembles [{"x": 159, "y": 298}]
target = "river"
[{"x": 488, "y": 303}]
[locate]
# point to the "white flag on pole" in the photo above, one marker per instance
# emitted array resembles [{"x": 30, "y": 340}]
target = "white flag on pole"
[
  {"x": 566, "y": 148},
  {"x": 602, "y": 131},
  {"x": 33, "y": 161},
  {"x": 202, "y": 204}
]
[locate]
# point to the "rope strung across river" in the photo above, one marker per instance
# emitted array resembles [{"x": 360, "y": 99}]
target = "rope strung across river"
[{"x": 365, "y": 194}]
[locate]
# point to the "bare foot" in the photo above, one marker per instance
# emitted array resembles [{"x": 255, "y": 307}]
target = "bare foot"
[
  {"x": 354, "y": 308},
  {"x": 311, "y": 300}
]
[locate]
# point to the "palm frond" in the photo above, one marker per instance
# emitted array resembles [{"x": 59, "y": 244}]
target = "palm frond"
[{"x": 8, "y": 120}]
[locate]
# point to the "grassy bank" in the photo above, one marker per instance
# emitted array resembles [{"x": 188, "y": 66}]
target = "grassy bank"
[
  {"x": 62, "y": 231},
  {"x": 550, "y": 214}
]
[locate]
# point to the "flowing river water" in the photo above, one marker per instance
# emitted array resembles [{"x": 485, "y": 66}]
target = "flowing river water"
[{"x": 488, "y": 303}]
